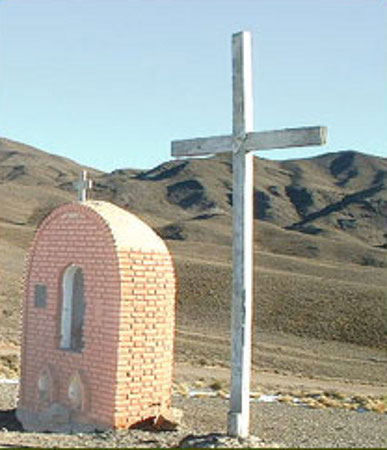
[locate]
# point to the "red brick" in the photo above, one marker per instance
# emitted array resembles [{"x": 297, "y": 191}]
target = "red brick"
[{"x": 128, "y": 288}]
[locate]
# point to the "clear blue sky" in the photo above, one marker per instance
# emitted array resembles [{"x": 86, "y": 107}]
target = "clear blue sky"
[{"x": 109, "y": 83}]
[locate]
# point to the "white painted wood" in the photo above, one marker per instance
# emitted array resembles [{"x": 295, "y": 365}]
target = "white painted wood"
[
  {"x": 291, "y": 137},
  {"x": 242, "y": 85},
  {"x": 202, "y": 146},
  {"x": 241, "y": 143},
  {"x": 83, "y": 185},
  {"x": 238, "y": 417},
  {"x": 251, "y": 142}
]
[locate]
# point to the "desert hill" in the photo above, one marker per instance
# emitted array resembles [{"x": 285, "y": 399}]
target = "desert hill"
[
  {"x": 320, "y": 237},
  {"x": 31, "y": 181}
]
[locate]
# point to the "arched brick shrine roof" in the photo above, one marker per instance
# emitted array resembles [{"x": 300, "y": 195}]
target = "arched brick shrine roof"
[{"x": 129, "y": 232}]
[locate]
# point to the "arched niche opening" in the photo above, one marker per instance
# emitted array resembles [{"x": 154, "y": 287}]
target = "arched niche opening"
[{"x": 73, "y": 309}]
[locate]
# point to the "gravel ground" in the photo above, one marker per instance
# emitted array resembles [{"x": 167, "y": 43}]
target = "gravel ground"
[
  {"x": 294, "y": 426},
  {"x": 274, "y": 423}
]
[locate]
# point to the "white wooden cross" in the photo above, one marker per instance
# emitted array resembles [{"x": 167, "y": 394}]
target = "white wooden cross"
[
  {"x": 82, "y": 185},
  {"x": 241, "y": 143}
]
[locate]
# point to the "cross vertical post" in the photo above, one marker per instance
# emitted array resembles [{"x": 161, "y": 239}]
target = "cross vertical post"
[
  {"x": 82, "y": 185},
  {"x": 241, "y": 143},
  {"x": 242, "y": 283}
]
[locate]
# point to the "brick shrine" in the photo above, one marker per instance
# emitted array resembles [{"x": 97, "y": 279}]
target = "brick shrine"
[{"x": 98, "y": 322}]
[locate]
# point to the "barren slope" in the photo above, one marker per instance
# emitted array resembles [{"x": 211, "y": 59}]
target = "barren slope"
[{"x": 319, "y": 236}]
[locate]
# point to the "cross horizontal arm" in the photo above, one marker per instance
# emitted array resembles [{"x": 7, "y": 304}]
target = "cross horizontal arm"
[
  {"x": 203, "y": 146},
  {"x": 263, "y": 140},
  {"x": 290, "y": 137}
]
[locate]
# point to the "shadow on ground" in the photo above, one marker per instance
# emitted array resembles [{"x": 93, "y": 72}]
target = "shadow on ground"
[{"x": 9, "y": 421}]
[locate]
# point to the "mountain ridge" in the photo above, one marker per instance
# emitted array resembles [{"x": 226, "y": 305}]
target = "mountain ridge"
[{"x": 320, "y": 225}]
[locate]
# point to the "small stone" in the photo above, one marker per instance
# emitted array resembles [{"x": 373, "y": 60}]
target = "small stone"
[
  {"x": 310, "y": 402},
  {"x": 223, "y": 394},
  {"x": 183, "y": 389},
  {"x": 164, "y": 424},
  {"x": 215, "y": 440},
  {"x": 255, "y": 394},
  {"x": 170, "y": 420},
  {"x": 285, "y": 398},
  {"x": 379, "y": 407}
]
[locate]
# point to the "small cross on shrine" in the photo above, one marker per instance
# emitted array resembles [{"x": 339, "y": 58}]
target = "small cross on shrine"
[
  {"x": 241, "y": 143},
  {"x": 83, "y": 185}
]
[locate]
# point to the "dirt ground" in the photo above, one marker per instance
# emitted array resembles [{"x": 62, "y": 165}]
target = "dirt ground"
[{"x": 304, "y": 393}]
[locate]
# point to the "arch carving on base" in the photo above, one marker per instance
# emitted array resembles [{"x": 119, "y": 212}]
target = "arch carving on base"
[
  {"x": 46, "y": 387},
  {"x": 78, "y": 392}
]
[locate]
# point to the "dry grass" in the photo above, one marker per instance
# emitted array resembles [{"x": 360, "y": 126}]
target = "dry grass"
[{"x": 313, "y": 292}]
